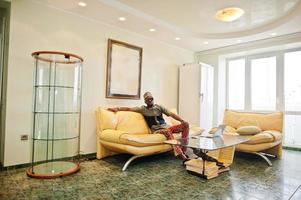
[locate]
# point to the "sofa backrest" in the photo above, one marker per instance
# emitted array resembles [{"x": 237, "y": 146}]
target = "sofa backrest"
[
  {"x": 130, "y": 122},
  {"x": 266, "y": 121}
]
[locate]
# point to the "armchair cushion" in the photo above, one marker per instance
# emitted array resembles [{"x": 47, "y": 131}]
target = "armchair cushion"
[
  {"x": 265, "y": 137},
  {"x": 248, "y": 130}
]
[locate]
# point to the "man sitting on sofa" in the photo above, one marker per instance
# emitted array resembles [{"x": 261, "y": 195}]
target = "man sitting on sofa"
[{"x": 155, "y": 121}]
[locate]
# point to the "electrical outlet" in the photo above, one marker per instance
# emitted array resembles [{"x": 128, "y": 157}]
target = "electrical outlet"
[{"x": 24, "y": 137}]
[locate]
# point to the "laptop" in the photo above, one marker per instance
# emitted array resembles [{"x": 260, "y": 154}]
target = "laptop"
[{"x": 219, "y": 131}]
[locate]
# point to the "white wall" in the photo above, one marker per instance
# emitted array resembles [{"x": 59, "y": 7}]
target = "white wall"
[
  {"x": 35, "y": 27},
  {"x": 217, "y": 58}
]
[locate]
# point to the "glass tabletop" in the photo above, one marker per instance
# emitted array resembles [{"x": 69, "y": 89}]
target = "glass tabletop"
[{"x": 205, "y": 143}]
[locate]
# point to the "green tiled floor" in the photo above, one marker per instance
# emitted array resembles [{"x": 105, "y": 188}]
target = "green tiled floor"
[{"x": 162, "y": 177}]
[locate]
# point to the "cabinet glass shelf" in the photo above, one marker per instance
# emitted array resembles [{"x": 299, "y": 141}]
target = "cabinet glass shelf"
[
  {"x": 58, "y": 86},
  {"x": 56, "y": 114}
]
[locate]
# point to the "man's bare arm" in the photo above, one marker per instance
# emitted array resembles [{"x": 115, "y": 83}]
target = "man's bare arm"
[
  {"x": 120, "y": 109},
  {"x": 177, "y": 117}
]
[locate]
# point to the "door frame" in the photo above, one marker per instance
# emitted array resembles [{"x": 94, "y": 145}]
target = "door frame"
[{"x": 5, "y": 23}]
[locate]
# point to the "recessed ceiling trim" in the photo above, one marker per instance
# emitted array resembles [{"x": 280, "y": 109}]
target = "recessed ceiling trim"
[
  {"x": 140, "y": 14},
  {"x": 202, "y": 35}
]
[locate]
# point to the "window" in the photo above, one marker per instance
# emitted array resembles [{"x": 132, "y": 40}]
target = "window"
[
  {"x": 292, "y": 129},
  {"x": 292, "y": 98},
  {"x": 292, "y": 81},
  {"x": 236, "y": 84},
  {"x": 263, "y": 83}
]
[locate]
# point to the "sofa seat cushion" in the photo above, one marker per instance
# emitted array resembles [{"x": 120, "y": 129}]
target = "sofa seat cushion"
[
  {"x": 265, "y": 137},
  {"x": 256, "y": 147},
  {"x": 150, "y": 139},
  {"x": 121, "y": 148},
  {"x": 140, "y": 140}
]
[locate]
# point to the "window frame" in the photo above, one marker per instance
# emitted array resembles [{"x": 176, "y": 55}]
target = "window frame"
[
  {"x": 280, "y": 83},
  {"x": 248, "y": 79}
]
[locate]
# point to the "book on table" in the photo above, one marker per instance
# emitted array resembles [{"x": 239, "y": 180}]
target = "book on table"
[{"x": 196, "y": 165}]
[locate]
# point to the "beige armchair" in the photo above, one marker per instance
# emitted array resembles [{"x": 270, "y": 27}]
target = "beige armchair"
[
  {"x": 266, "y": 143},
  {"x": 127, "y": 132}
]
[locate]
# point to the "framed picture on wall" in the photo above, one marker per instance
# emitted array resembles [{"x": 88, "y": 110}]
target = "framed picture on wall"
[{"x": 124, "y": 63}]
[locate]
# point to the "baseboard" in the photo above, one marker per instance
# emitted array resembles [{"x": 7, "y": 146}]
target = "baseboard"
[
  {"x": 292, "y": 148},
  {"x": 83, "y": 157}
]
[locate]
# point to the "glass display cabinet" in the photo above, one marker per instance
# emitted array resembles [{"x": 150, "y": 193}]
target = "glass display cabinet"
[{"x": 56, "y": 114}]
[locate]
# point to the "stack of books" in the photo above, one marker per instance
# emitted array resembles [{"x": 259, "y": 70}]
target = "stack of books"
[{"x": 196, "y": 166}]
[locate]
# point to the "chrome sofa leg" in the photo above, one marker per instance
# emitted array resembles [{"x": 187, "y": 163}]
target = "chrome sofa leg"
[
  {"x": 263, "y": 156},
  {"x": 129, "y": 161}
]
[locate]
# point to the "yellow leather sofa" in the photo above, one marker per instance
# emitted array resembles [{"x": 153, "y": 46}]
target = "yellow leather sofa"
[
  {"x": 267, "y": 142},
  {"x": 127, "y": 132}
]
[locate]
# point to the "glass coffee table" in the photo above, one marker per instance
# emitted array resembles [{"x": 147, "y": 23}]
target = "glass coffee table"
[{"x": 201, "y": 146}]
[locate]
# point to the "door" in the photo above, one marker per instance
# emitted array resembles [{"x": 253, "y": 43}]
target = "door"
[
  {"x": 189, "y": 87},
  {"x": 196, "y": 94},
  {"x": 206, "y": 97}
]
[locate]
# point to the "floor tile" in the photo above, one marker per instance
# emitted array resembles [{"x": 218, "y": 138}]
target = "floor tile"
[{"x": 162, "y": 177}]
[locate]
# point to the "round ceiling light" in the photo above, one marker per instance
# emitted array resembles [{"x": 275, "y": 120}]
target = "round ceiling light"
[
  {"x": 82, "y": 4},
  {"x": 229, "y": 14}
]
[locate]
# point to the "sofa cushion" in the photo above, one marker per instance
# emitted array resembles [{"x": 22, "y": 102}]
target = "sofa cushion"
[
  {"x": 149, "y": 139},
  {"x": 107, "y": 119},
  {"x": 131, "y": 122},
  {"x": 139, "y": 140},
  {"x": 265, "y": 137},
  {"x": 276, "y": 134},
  {"x": 248, "y": 130},
  {"x": 142, "y": 140}
]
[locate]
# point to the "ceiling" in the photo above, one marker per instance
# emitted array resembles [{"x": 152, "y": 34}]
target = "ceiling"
[{"x": 193, "y": 21}]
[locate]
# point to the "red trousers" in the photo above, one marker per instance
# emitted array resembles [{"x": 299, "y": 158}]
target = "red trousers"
[{"x": 168, "y": 133}]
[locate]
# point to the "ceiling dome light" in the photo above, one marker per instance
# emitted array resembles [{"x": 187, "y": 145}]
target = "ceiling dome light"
[
  {"x": 122, "y": 19},
  {"x": 82, "y": 4},
  {"x": 229, "y": 14},
  {"x": 152, "y": 30},
  {"x": 177, "y": 38}
]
